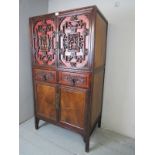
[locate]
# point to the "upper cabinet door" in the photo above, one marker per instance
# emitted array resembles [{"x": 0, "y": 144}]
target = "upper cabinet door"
[
  {"x": 43, "y": 36},
  {"x": 74, "y": 41}
]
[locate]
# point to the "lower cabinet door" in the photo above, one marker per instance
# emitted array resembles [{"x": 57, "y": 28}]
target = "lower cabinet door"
[
  {"x": 72, "y": 106},
  {"x": 45, "y": 95}
]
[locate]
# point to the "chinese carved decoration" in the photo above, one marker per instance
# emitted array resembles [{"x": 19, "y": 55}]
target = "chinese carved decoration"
[
  {"x": 68, "y": 62},
  {"x": 44, "y": 42},
  {"x": 73, "y": 38}
]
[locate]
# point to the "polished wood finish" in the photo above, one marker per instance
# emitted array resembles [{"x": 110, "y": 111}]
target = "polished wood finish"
[
  {"x": 46, "y": 100},
  {"x": 75, "y": 79},
  {"x": 97, "y": 97},
  {"x": 43, "y": 37},
  {"x": 68, "y": 67},
  {"x": 99, "y": 69},
  {"x": 72, "y": 106},
  {"x": 74, "y": 43},
  {"x": 44, "y": 75},
  {"x": 100, "y": 42}
]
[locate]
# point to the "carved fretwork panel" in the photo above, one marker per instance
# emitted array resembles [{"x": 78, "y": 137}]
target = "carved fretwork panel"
[
  {"x": 44, "y": 42},
  {"x": 74, "y": 41}
]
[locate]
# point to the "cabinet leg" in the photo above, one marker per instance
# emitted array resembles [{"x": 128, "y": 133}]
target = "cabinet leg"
[
  {"x": 36, "y": 123},
  {"x": 84, "y": 139},
  {"x": 99, "y": 122},
  {"x": 87, "y": 144}
]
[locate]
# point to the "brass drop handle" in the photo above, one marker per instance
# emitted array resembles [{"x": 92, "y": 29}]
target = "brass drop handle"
[
  {"x": 74, "y": 81},
  {"x": 45, "y": 77}
]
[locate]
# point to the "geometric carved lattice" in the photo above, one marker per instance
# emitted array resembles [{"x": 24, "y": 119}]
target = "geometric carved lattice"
[
  {"x": 44, "y": 42},
  {"x": 73, "y": 39}
]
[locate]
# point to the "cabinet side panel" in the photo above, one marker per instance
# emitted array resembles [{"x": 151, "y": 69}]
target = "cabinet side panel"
[
  {"x": 99, "y": 63},
  {"x": 97, "y": 97},
  {"x": 100, "y": 41}
]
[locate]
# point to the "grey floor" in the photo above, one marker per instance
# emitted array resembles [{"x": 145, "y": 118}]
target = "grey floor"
[{"x": 53, "y": 140}]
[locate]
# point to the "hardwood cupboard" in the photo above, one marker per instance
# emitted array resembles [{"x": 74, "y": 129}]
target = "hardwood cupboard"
[{"x": 68, "y": 67}]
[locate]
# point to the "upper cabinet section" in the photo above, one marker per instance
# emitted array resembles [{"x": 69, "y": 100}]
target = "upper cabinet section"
[
  {"x": 66, "y": 40},
  {"x": 74, "y": 41},
  {"x": 43, "y": 37}
]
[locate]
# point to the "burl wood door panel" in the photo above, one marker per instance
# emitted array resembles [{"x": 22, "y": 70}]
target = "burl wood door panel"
[
  {"x": 72, "y": 106},
  {"x": 45, "y": 100}
]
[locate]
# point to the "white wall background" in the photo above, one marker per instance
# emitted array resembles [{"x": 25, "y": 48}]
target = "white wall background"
[
  {"x": 118, "y": 108},
  {"x": 27, "y": 8}
]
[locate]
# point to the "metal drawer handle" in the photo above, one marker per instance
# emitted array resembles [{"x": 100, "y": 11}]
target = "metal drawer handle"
[
  {"x": 45, "y": 77},
  {"x": 74, "y": 81}
]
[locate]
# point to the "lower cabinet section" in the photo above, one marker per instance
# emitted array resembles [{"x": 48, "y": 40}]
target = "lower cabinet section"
[
  {"x": 62, "y": 104},
  {"x": 45, "y": 95},
  {"x": 73, "y": 106}
]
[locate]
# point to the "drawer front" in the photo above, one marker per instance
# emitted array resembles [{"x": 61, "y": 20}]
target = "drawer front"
[
  {"x": 44, "y": 75},
  {"x": 75, "y": 79}
]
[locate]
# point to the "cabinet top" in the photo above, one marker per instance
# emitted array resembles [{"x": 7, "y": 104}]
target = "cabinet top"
[{"x": 73, "y": 11}]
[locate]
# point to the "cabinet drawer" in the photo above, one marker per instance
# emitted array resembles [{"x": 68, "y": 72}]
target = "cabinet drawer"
[
  {"x": 75, "y": 79},
  {"x": 44, "y": 75}
]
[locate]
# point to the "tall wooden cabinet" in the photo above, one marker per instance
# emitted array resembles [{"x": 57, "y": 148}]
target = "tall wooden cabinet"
[{"x": 68, "y": 66}]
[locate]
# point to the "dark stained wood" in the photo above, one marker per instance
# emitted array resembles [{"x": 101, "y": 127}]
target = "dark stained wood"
[
  {"x": 69, "y": 127},
  {"x": 94, "y": 126},
  {"x": 72, "y": 106},
  {"x": 44, "y": 75},
  {"x": 68, "y": 63},
  {"x": 36, "y": 123},
  {"x": 46, "y": 100},
  {"x": 101, "y": 15},
  {"x": 99, "y": 121},
  {"x": 100, "y": 42},
  {"x": 74, "y": 45},
  {"x": 43, "y": 37},
  {"x": 97, "y": 97},
  {"x": 98, "y": 71},
  {"x": 87, "y": 144},
  {"x": 76, "y": 11},
  {"x": 75, "y": 79}
]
